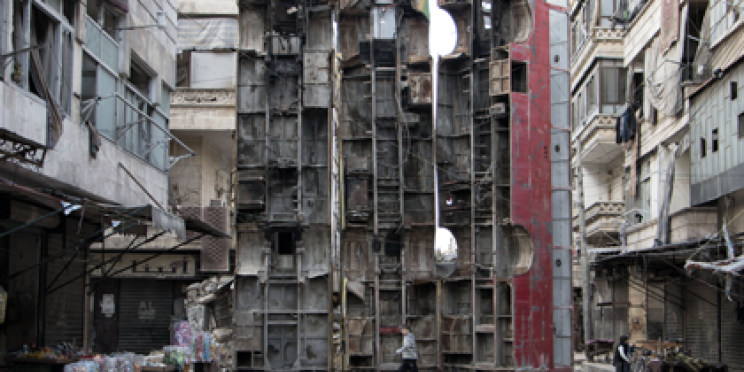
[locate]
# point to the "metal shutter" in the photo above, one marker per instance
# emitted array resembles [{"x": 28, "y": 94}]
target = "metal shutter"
[
  {"x": 732, "y": 337},
  {"x": 674, "y": 315},
  {"x": 146, "y": 307},
  {"x": 701, "y": 320},
  {"x": 63, "y": 320}
]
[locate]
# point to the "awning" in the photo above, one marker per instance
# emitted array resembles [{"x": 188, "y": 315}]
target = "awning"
[
  {"x": 95, "y": 212},
  {"x": 675, "y": 249},
  {"x": 165, "y": 221}
]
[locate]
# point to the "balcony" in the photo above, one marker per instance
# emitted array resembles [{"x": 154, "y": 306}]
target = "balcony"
[
  {"x": 602, "y": 223},
  {"x": 600, "y": 42},
  {"x": 687, "y": 224},
  {"x": 203, "y": 109},
  {"x": 598, "y": 140}
]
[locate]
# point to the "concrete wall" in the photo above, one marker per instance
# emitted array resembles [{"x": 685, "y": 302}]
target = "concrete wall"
[
  {"x": 643, "y": 28},
  {"x": 199, "y": 179},
  {"x": 196, "y": 109},
  {"x": 70, "y": 163},
  {"x": 157, "y": 47},
  {"x": 206, "y": 7}
]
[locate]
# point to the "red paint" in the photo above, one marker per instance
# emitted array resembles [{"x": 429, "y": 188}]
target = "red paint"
[{"x": 531, "y": 197}]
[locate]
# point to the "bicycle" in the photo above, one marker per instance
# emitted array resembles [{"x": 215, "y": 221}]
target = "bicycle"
[{"x": 641, "y": 357}]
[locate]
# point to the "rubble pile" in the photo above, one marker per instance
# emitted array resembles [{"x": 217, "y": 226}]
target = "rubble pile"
[{"x": 209, "y": 307}]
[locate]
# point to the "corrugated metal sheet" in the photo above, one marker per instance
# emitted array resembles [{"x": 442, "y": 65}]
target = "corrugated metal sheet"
[
  {"x": 732, "y": 340},
  {"x": 146, "y": 307},
  {"x": 701, "y": 327},
  {"x": 713, "y": 109},
  {"x": 63, "y": 320}
]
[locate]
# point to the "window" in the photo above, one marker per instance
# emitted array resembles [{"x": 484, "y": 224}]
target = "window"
[
  {"x": 703, "y": 147},
  {"x": 588, "y": 13},
  {"x": 613, "y": 85},
  {"x": 607, "y": 10},
  {"x": 741, "y": 125},
  {"x": 99, "y": 81},
  {"x": 643, "y": 189},
  {"x": 714, "y": 140},
  {"x": 32, "y": 26},
  {"x": 591, "y": 92},
  {"x": 734, "y": 90},
  {"x": 101, "y": 22},
  {"x": 140, "y": 78},
  {"x": 105, "y": 16}
]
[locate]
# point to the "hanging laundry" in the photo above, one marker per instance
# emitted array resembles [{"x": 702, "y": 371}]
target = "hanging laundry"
[{"x": 625, "y": 125}]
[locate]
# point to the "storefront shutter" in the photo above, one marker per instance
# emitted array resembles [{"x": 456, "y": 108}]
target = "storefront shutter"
[
  {"x": 146, "y": 308},
  {"x": 732, "y": 337},
  {"x": 701, "y": 320},
  {"x": 63, "y": 319}
]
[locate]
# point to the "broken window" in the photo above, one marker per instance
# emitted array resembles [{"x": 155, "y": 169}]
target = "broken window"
[
  {"x": 49, "y": 35},
  {"x": 98, "y": 81}
]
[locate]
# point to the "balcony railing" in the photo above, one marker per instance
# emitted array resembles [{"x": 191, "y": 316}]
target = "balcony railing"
[
  {"x": 602, "y": 222},
  {"x": 598, "y": 139},
  {"x": 101, "y": 44}
]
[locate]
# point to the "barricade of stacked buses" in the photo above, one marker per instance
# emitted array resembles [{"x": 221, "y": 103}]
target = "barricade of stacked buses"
[{"x": 341, "y": 162}]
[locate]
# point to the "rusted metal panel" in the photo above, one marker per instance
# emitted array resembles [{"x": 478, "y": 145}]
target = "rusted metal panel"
[
  {"x": 252, "y": 29},
  {"x": 251, "y": 190},
  {"x": 531, "y": 195},
  {"x": 251, "y": 252},
  {"x": 317, "y": 81},
  {"x": 420, "y": 254},
  {"x": 358, "y": 258},
  {"x": 421, "y": 88},
  {"x": 499, "y": 77},
  {"x": 251, "y": 85},
  {"x": 414, "y": 35}
]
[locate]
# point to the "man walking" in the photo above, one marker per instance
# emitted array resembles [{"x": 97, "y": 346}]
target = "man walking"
[
  {"x": 408, "y": 350},
  {"x": 622, "y": 355}
]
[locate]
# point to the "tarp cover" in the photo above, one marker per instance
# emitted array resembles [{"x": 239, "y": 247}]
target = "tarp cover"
[
  {"x": 207, "y": 33},
  {"x": 665, "y": 73}
]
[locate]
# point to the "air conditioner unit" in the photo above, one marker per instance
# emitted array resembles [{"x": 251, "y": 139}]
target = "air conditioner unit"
[{"x": 216, "y": 203}]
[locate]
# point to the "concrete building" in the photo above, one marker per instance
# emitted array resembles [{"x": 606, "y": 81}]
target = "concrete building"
[
  {"x": 640, "y": 138},
  {"x": 85, "y": 145}
]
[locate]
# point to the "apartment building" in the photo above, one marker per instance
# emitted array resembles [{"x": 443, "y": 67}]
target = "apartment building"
[
  {"x": 85, "y": 94},
  {"x": 650, "y": 152}
]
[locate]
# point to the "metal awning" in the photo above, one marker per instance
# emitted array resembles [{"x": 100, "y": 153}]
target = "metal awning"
[
  {"x": 96, "y": 213},
  {"x": 167, "y": 221}
]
